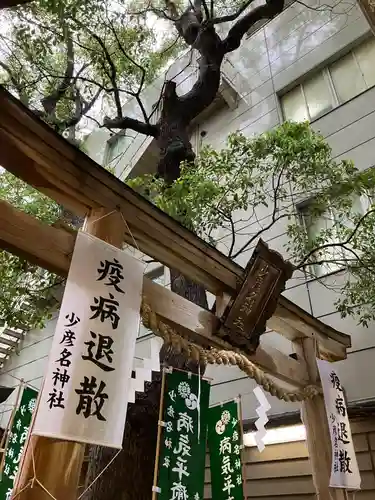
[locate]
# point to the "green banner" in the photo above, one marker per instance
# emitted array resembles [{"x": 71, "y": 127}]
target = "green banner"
[
  {"x": 17, "y": 439},
  {"x": 184, "y": 436},
  {"x": 225, "y": 445}
]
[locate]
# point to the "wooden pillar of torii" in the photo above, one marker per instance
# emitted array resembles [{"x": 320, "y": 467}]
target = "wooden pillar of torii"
[
  {"x": 53, "y": 465},
  {"x": 33, "y": 152}
]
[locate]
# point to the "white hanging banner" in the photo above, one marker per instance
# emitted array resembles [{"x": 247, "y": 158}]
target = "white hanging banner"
[
  {"x": 344, "y": 471},
  {"x": 85, "y": 392}
]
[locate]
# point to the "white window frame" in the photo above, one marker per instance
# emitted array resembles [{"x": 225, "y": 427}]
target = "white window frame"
[
  {"x": 321, "y": 270},
  {"x": 325, "y": 72},
  {"x": 107, "y": 161}
]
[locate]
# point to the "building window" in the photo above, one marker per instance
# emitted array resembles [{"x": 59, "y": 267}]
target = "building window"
[
  {"x": 327, "y": 226},
  {"x": 116, "y": 146},
  {"x": 262, "y": 22},
  {"x": 334, "y": 85}
]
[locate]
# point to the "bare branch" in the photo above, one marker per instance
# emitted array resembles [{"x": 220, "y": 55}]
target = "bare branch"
[
  {"x": 133, "y": 61},
  {"x": 205, "y": 7},
  {"x": 332, "y": 245},
  {"x": 274, "y": 218},
  {"x": 82, "y": 108},
  {"x": 113, "y": 71},
  {"x": 339, "y": 262},
  {"x": 233, "y": 229},
  {"x": 139, "y": 66},
  {"x": 136, "y": 125},
  {"x": 256, "y": 236},
  {"x": 49, "y": 103},
  {"x": 89, "y": 105},
  {"x": 94, "y": 120},
  {"x": 172, "y": 10},
  {"x": 242, "y": 26},
  {"x": 20, "y": 89}
]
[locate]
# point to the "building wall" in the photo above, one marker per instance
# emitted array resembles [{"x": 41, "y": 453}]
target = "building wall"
[{"x": 283, "y": 471}]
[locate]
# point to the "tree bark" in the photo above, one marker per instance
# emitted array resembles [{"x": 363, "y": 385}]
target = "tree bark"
[{"x": 130, "y": 476}]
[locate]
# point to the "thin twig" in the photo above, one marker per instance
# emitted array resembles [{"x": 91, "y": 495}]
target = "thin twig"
[{"x": 332, "y": 245}]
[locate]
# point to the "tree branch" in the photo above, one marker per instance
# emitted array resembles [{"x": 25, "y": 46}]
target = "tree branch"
[
  {"x": 255, "y": 236},
  {"x": 172, "y": 10},
  {"x": 20, "y": 89},
  {"x": 332, "y": 245},
  {"x": 242, "y": 26},
  {"x": 233, "y": 229},
  {"x": 197, "y": 7},
  {"x": 49, "y": 103},
  {"x": 133, "y": 61},
  {"x": 232, "y": 17},
  {"x": 113, "y": 71},
  {"x": 205, "y": 7},
  {"x": 136, "y": 125},
  {"x": 82, "y": 108},
  {"x": 274, "y": 219}
]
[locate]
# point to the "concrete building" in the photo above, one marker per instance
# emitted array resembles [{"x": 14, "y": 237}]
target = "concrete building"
[
  {"x": 305, "y": 64},
  {"x": 308, "y": 63}
]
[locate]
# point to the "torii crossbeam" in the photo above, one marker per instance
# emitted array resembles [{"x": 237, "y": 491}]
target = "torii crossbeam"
[{"x": 36, "y": 154}]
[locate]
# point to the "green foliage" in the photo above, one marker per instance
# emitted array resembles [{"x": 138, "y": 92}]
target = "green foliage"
[
  {"x": 26, "y": 293},
  {"x": 112, "y": 52},
  {"x": 234, "y": 196}
]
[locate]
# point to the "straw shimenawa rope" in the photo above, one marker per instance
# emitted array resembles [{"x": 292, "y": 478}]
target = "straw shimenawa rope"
[{"x": 221, "y": 357}]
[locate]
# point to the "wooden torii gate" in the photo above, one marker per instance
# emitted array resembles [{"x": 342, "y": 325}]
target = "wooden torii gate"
[{"x": 36, "y": 154}]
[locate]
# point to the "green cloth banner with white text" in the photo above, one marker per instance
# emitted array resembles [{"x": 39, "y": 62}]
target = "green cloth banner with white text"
[
  {"x": 183, "y": 438},
  {"x": 17, "y": 439},
  {"x": 225, "y": 445}
]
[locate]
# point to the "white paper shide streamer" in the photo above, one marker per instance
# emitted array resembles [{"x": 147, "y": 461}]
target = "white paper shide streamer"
[
  {"x": 86, "y": 388},
  {"x": 263, "y": 419},
  {"x": 344, "y": 471}
]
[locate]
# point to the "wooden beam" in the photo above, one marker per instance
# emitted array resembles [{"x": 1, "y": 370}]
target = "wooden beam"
[
  {"x": 330, "y": 349},
  {"x": 190, "y": 320},
  {"x": 197, "y": 324},
  {"x": 306, "y": 324},
  {"x": 35, "y": 153},
  {"x": 38, "y": 243}
]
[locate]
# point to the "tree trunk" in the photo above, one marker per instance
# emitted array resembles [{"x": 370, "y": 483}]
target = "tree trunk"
[{"x": 130, "y": 476}]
